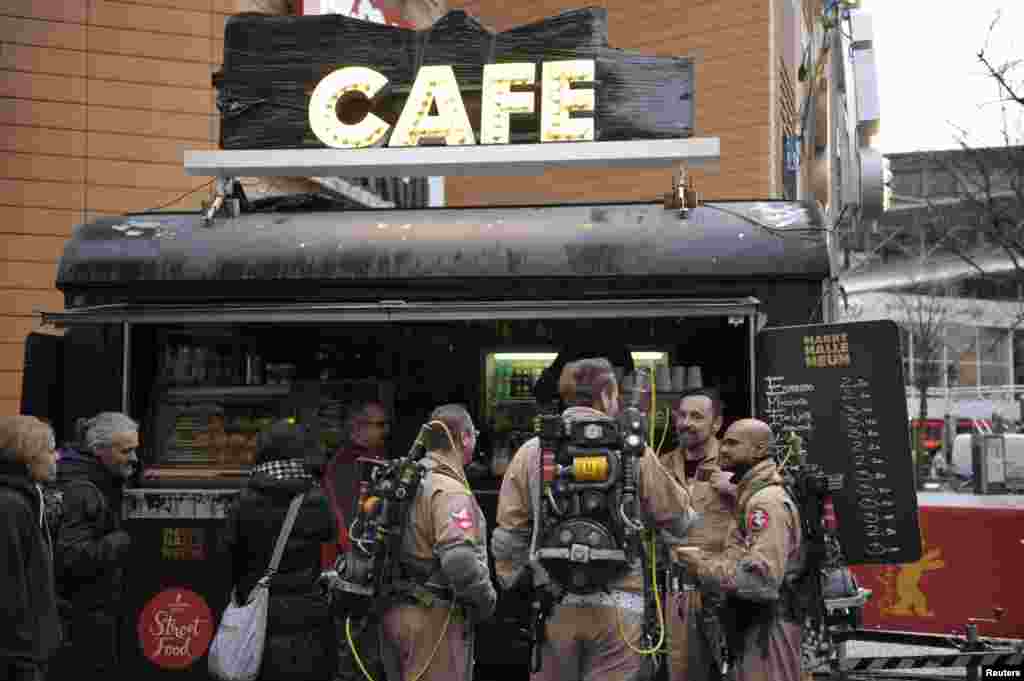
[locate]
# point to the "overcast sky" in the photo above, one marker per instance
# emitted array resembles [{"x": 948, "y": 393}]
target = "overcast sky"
[{"x": 929, "y": 74}]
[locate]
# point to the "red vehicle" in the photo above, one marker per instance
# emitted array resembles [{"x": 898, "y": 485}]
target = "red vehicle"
[
  {"x": 973, "y": 546},
  {"x": 932, "y": 431}
]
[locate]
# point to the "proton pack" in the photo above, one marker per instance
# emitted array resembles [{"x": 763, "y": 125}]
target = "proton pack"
[
  {"x": 803, "y": 596},
  {"x": 588, "y": 470},
  {"x": 587, "y": 525},
  {"x": 822, "y": 555},
  {"x": 367, "y": 575}
]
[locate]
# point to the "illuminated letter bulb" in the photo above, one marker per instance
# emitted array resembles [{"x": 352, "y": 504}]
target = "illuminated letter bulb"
[
  {"x": 498, "y": 100},
  {"x": 434, "y": 84},
  {"x": 323, "y": 109},
  {"x": 561, "y": 99}
]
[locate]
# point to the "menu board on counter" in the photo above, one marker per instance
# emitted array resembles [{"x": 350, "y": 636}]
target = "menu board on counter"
[{"x": 840, "y": 388}]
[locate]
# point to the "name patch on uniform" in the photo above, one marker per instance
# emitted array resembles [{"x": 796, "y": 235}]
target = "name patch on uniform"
[
  {"x": 462, "y": 519},
  {"x": 757, "y": 520}
]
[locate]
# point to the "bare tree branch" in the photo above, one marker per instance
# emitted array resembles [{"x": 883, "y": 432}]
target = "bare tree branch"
[{"x": 999, "y": 74}]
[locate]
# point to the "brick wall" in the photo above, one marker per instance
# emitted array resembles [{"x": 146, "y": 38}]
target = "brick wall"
[
  {"x": 730, "y": 42},
  {"x": 98, "y": 101}
]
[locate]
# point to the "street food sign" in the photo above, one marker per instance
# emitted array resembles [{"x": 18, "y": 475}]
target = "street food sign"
[
  {"x": 175, "y": 628},
  {"x": 507, "y": 90}
]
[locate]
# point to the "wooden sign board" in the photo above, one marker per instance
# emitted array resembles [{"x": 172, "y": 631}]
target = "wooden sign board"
[
  {"x": 840, "y": 388},
  {"x": 564, "y": 67}
]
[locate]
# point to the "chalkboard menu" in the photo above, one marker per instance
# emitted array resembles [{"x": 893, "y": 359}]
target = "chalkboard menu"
[{"x": 840, "y": 388}]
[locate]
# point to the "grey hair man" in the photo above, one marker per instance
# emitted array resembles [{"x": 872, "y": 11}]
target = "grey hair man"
[
  {"x": 113, "y": 438},
  {"x": 92, "y": 548}
]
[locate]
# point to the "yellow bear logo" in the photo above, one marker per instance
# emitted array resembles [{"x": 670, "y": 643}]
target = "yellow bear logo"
[{"x": 909, "y": 600}]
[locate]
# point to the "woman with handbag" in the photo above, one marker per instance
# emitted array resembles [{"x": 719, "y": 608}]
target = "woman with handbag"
[{"x": 282, "y": 515}]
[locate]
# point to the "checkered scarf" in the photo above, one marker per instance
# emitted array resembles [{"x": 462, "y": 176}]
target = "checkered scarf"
[{"x": 283, "y": 469}]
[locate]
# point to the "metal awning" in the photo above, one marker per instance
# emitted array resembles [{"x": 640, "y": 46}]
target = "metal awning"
[
  {"x": 318, "y": 256},
  {"x": 401, "y": 311}
]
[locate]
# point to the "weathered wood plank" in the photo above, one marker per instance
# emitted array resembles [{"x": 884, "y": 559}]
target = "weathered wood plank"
[{"x": 272, "y": 64}]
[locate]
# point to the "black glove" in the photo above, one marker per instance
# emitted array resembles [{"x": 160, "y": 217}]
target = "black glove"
[
  {"x": 116, "y": 545},
  {"x": 480, "y": 602},
  {"x": 549, "y": 596}
]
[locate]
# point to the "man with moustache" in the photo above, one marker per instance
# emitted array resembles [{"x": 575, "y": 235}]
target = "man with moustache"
[
  {"x": 761, "y": 559},
  {"x": 694, "y": 634}
]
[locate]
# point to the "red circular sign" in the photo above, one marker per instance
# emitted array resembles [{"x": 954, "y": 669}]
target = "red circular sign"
[{"x": 175, "y": 628}]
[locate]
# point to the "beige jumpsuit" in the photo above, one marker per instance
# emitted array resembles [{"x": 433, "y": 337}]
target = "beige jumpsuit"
[
  {"x": 762, "y": 550},
  {"x": 585, "y": 641},
  {"x": 445, "y": 543},
  {"x": 690, "y": 652}
]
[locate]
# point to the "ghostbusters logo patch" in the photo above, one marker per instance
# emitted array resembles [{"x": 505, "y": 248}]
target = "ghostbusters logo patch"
[
  {"x": 757, "y": 520},
  {"x": 462, "y": 519}
]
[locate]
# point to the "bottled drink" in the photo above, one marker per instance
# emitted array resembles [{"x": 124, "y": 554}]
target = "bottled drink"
[
  {"x": 501, "y": 381},
  {"x": 829, "y": 519}
]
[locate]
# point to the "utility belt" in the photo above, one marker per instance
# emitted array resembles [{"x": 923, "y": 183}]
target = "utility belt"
[
  {"x": 426, "y": 595},
  {"x": 624, "y": 600}
]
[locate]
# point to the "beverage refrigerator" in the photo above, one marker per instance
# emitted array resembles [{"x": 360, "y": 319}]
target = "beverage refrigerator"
[{"x": 509, "y": 403}]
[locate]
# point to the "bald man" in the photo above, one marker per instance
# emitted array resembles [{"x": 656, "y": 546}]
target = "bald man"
[{"x": 761, "y": 556}]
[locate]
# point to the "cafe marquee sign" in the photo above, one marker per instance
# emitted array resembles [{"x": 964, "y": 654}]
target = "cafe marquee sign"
[
  {"x": 504, "y": 93},
  {"x": 362, "y": 84}
]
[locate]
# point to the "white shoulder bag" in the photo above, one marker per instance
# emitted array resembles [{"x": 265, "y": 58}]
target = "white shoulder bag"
[{"x": 237, "y": 649}]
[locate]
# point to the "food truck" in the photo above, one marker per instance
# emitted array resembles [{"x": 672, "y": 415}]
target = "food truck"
[
  {"x": 206, "y": 326},
  {"x": 205, "y": 333}
]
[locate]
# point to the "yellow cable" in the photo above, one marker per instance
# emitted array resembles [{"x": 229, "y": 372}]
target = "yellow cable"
[
  {"x": 352, "y": 647},
  {"x": 664, "y": 431},
  {"x": 430, "y": 660},
  {"x": 654, "y": 406},
  {"x": 657, "y": 604}
]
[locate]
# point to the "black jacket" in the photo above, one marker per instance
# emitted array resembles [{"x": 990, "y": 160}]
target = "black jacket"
[
  {"x": 300, "y": 637},
  {"x": 254, "y": 522},
  {"x": 30, "y": 631},
  {"x": 91, "y": 547}
]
